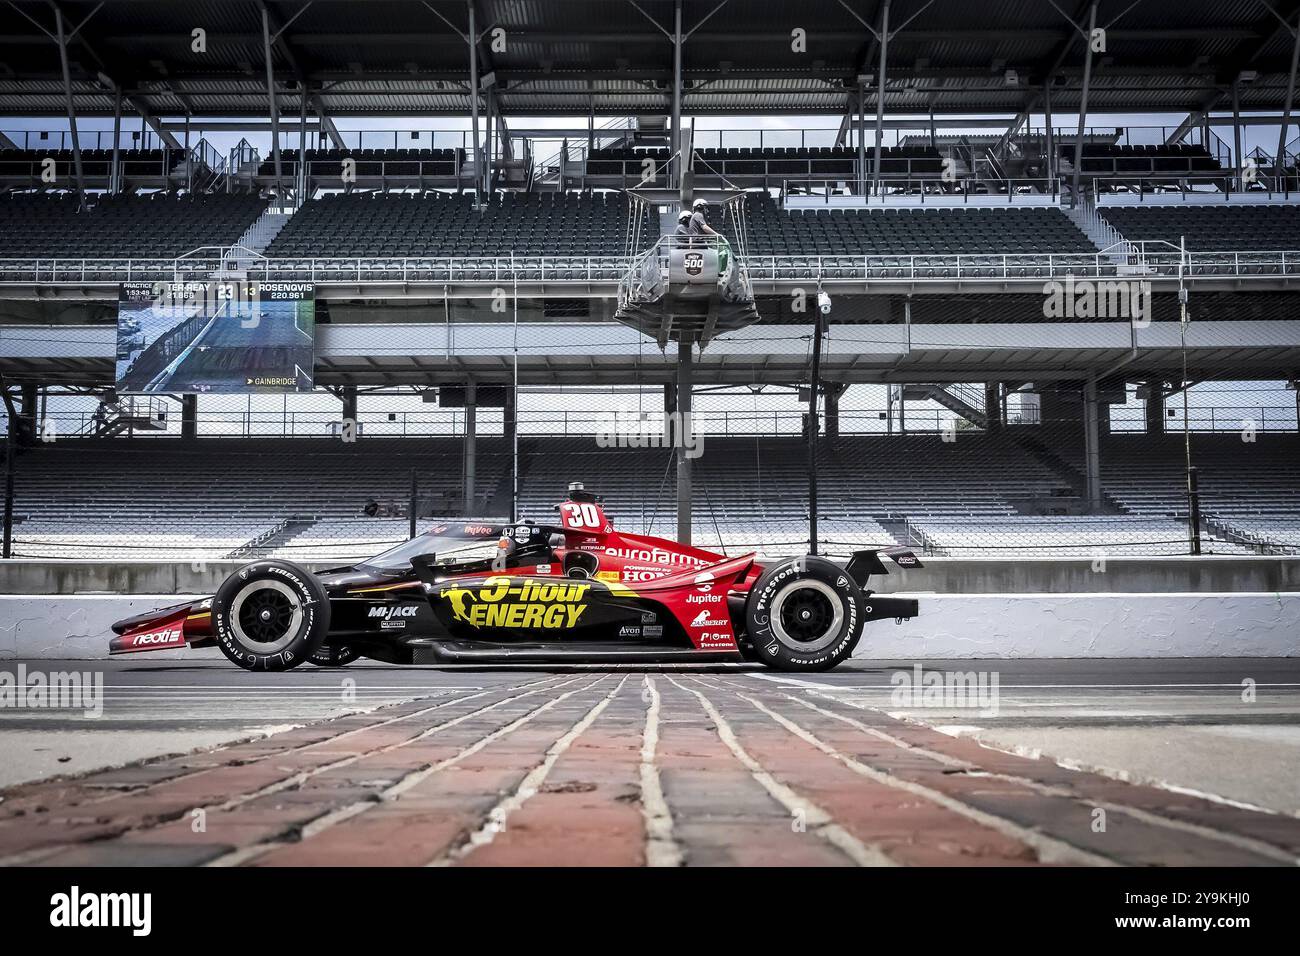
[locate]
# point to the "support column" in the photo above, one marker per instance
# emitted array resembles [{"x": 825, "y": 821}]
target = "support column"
[
  {"x": 303, "y": 191},
  {"x": 72, "y": 112},
  {"x": 189, "y": 416},
  {"x": 833, "y": 393},
  {"x": 880, "y": 91},
  {"x": 472, "y": 38},
  {"x": 814, "y": 426},
  {"x": 350, "y": 403},
  {"x": 862, "y": 139},
  {"x": 680, "y": 160},
  {"x": 1083, "y": 103},
  {"x": 471, "y": 446},
  {"x": 114, "y": 171},
  {"x": 1279, "y": 159},
  {"x": 1154, "y": 408},
  {"x": 993, "y": 407},
  {"x": 1238, "y": 160},
  {"x": 30, "y": 394},
  {"x": 1049, "y": 133},
  {"x": 275, "y": 107},
  {"x": 1092, "y": 444},
  {"x": 510, "y": 429},
  {"x": 685, "y": 382},
  {"x": 11, "y": 449},
  {"x": 489, "y": 140}
]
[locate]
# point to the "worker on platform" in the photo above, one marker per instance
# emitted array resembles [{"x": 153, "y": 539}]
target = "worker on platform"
[
  {"x": 700, "y": 227},
  {"x": 699, "y": 219},
  {"x": 683, "y": 229}
]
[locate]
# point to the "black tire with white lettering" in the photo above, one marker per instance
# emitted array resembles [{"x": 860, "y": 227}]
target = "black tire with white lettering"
[
  {"x": 804, "y": 614},
  {"x": 270, "y": 615},
  {"x": 333, "y": 655}
]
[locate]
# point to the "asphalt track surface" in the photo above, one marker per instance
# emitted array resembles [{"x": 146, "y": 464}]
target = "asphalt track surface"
[{"x": 377, "y": 765}]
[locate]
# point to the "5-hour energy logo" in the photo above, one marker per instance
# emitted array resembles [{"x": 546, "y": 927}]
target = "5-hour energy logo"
[{"x": 501, "y": 602}]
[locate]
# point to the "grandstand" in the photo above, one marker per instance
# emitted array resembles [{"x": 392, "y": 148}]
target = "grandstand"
[
  {"x": 1210, "y": 228},
  {"x": 495, "y": 254},
  {"x": 437, "y": 224},
  {"x": 156, "y": 226},
  {"x": 911, "y": 231},
  {"x": 221, "y": 497}
]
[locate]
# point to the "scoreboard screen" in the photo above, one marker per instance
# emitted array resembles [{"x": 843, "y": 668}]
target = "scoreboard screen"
[{"x": 215, "y": 336}]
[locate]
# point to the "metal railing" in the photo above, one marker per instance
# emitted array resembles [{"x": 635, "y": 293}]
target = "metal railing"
[
  {"x": 930, "y": 187},
  {"x": 322, "y": 271},
  {"x": 88, "y": 139},
  {"x": 1227, "y": 184},
  {"x": 578, "y": 423},
  {"x": 1149, "y": 259}
]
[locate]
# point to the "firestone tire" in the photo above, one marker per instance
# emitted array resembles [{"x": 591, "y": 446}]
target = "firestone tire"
[
  {"x": 270, "y": 615},
  {"x": 804, "y": 614},
  {"x": 333, "y": 655}
]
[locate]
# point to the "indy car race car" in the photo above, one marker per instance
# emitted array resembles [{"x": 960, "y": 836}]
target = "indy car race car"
[{"x": 471, "y": 591}]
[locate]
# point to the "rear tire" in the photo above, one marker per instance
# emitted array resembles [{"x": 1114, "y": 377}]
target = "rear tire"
[
  {"x": 804, "y": 614},
  {"x": 333, "y": 655},
  {"x": 270, "y": 615}
]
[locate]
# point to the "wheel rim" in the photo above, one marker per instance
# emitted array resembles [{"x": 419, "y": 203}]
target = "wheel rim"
[
  {"x": 266, "y": 615},
  {"x": 807, "y": 615}
]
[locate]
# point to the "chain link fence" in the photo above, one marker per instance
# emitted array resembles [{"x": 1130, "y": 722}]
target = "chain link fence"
[{"x": 956, "y": 470}]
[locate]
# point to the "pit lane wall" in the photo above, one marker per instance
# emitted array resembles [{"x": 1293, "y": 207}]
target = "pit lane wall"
[{"x": 1215, "y": 606}]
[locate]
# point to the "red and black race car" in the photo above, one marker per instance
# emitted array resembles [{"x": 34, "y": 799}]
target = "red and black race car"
[{"x": 483, "y": 592}]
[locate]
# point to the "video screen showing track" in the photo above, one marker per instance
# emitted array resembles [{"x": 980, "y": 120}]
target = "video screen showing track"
[{"x": 215, "y": 337}]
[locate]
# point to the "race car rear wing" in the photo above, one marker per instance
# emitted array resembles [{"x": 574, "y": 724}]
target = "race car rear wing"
[{"x": 863, "y": 564}]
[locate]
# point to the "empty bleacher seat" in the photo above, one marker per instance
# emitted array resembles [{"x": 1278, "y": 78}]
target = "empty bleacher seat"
[
  {"x": 1211, "y": 228},
  {"x": 159, "y": 226}
]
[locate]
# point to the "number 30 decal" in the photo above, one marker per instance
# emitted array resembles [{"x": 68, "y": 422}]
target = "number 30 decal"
[{"x": 584, "y": 515}]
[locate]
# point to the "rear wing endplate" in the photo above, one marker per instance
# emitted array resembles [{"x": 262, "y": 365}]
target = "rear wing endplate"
[{"x": 863, "y": 564}]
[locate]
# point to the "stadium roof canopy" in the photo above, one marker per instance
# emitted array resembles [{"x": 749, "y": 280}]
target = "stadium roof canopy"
[{"x": 395, "y": 57}]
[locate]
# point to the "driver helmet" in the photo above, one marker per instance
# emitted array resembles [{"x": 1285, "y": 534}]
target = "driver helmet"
[{"x": 699, "y": 204}]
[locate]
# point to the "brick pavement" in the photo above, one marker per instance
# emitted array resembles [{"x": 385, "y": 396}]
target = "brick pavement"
[{"x": 623, "y": 769}]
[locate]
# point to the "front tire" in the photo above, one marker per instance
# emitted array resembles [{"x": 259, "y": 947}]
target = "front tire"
[
  {"x": 270, "y": 615},
  {"x": 804, "y": 614}
]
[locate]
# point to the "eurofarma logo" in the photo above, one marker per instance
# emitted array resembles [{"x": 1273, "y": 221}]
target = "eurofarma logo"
[
  {"x": 646, "y": 430},
  {"x": 1098, "y": 299},
  {"x": 946, "y": 690},
  {"x": 52, "y": 690},
  {"x": 75, "y": 909}
]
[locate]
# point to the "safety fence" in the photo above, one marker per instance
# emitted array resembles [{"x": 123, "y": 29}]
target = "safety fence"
[{"x": 893, "y": 464}]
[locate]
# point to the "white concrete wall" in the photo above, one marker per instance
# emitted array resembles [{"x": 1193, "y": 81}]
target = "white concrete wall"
[
  {"x": 950, "y": 625},
  {"x": 1092, "y": 625}
]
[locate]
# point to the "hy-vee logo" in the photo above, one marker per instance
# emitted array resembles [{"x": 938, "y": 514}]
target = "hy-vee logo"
[{"x": 389, "y": 611}]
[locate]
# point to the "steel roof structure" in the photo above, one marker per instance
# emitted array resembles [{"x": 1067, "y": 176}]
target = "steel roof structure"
[{"x": 572, "y": 57}]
